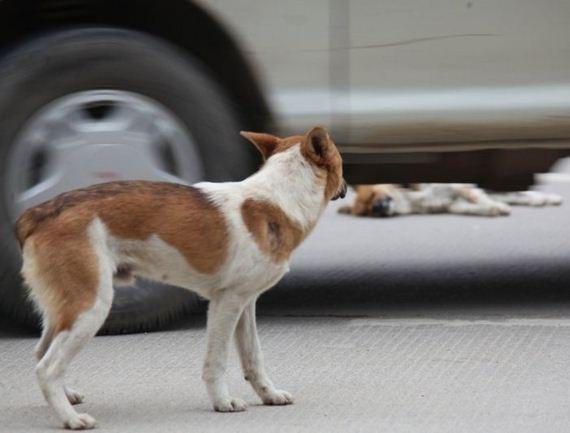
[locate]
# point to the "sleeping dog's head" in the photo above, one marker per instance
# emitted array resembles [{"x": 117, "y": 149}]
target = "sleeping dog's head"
[
  {"x": 316, "y": 148},
  {"x": 374, "y": 201}
]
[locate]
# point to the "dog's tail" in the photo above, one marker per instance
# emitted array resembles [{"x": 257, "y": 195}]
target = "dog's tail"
[{"x": 27, "y": 224}]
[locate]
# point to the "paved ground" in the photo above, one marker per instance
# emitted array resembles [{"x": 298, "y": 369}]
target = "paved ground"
[
  {"x": 480, "y": 374},
  {"x": 418, "y": 324}
]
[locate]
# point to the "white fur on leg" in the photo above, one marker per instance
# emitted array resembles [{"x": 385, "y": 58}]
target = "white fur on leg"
[
  {"x": 45, "y": 340},
  {"x": 50, "y": 371},
  {"x": 73, "y": 396},
  {"x": 528, "y": 198},
  {"x": 51, "y": 368},
  {"x": 486, "y": 208},
  {"x": 249, "y": 350},
  {"x": 223, "y": 313}
]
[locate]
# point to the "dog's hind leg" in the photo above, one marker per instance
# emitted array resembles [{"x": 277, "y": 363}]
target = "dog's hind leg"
[
  {"x": 474, "y": 201},
  {"x": 249, "y": 350},
  {"x": 45, "y": 340},
  {"x": 490, "y": 209},
  {"x": 528, "y": 198},
  {"x": 72, "y": 282},
  {"x": 51, "y": 369},
  {"x": 65, "y": 345},
  {"x": 42, "y": 347}
]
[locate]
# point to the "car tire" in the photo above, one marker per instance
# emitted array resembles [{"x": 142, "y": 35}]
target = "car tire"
[{"x": 52, "y": 65}]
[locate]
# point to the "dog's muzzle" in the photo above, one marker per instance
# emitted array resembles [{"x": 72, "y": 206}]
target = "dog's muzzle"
[
  {"x": 341, "y": 193},
  {"x": 382, "y": 208}
]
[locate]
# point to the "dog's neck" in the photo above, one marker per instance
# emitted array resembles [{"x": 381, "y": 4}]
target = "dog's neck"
[{"x": 288, "y": 180}]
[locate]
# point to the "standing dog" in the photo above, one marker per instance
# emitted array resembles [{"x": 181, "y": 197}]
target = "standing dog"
[
  {"x": 228, "y": 242},
  {"x": 384, "y": 200}
]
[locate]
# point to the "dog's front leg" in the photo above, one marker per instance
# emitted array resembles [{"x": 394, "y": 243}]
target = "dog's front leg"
[
  {"x": 249, "y": 350},
  {"x": 223, "y": 313}
]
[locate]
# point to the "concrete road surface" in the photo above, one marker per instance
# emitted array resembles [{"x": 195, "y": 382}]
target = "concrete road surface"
[{"x": 417, "y": 324}]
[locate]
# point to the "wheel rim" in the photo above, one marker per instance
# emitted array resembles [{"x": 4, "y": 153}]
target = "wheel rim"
[{"x": 97, "y": 136}]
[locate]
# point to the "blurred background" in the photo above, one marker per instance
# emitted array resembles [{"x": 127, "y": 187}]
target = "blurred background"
[{"x": 412, "y": 91}]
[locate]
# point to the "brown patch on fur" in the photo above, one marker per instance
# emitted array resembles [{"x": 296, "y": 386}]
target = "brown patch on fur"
[
  {"x": 32, "y": 218},
  {"x": 62, "y": 269},
  {"x": 180, "y": 215},
  {"x": 275, "y": 234}
]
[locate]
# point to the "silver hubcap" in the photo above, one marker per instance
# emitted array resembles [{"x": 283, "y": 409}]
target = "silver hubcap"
[{"x": 98, "y": 136}]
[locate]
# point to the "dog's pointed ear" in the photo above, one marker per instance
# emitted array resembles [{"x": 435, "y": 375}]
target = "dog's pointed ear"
[
  {"x": 265, "y": 143},
  {"x": 318, "y": 143}
]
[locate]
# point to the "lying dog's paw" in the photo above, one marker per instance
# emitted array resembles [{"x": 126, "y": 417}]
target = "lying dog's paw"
[
  {"x": 73, "y": 396},
  {"x": 498, "y": 209},
  {"x": 230, "y": 405},
  {"x": 553, "y": 199},
  {"x": 82, "y": 421},
  {"x": 538, "y": 198},
  {"x": 277, "y": 397}
]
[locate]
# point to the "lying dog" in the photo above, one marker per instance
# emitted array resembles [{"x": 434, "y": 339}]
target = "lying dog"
[
  {"x": 228, "y": 242},
  {"x": 384, "y": 200}
]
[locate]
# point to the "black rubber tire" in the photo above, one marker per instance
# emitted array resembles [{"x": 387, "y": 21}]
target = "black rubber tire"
[{"x": 53, "y": 65}]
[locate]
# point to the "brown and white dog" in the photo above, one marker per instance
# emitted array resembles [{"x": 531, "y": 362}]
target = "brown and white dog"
[
  {"x": 384, "y": 200},
  {"x": 228, "y": 242}
]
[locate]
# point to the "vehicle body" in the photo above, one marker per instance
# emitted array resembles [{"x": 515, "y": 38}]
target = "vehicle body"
[
  {"x": 417, "y": 91},
  {"x": 413, "y": 91}
]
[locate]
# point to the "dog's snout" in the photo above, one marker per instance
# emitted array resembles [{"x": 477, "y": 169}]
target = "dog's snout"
[
  {"x": 341, "y": 192},
  {"x": 382, "y": 207}
]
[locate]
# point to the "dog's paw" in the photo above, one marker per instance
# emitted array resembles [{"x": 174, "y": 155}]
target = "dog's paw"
[
  {"x": 538, "y": 198},
  {"x": 499, "y": 209},
  {"x": 230, "y": 405},
  {"x": 82, "y": 421},
  {"x": 277, "y": 397},
  {"x": 553, "y": 199},
  {"x": 73, "y": 396}
]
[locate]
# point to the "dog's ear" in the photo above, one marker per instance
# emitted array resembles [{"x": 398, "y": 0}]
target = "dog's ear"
[
  {"x": 265, "y": 143},
  {"x": 318, "y": 143}
]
